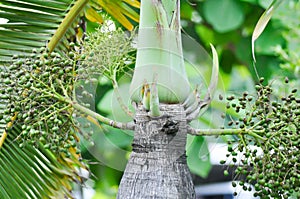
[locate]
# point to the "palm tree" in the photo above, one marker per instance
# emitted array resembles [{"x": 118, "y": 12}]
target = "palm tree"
[{"x": 157, "y": 167}]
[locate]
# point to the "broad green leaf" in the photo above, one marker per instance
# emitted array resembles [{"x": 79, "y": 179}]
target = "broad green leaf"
[
  {"x": 250, "y": 1},
  {"x": 224, "y": 16},
  {"x": 186, "y": 11},
  {"x": 198, "y": 156},
  {"x": 206, "y": 34},
  {"x": 262, "y": 23}
]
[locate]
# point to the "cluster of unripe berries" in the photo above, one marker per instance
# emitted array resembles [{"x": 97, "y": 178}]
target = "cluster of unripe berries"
[
  {"x": 269, "y": 142},
  {"x": 30, "y": 85}
]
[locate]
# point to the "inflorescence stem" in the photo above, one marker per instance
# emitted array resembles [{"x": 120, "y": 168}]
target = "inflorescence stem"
[
  {"x": 119, "y": 98},
  {"x": 84, "y": 110},
  {"x": 105, "y": 120},
  {"x": 131, "y": 125},
  {"x": 217, "y": 132}
]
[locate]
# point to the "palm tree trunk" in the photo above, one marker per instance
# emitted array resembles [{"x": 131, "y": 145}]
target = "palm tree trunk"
[{"x": 157, "y": 167}]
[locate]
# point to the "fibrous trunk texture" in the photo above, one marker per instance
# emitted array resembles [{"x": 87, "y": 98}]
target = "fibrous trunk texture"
[{"x": 157, "y": 167}]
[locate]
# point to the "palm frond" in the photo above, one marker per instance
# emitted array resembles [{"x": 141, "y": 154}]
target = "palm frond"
[
  {"x": 30, "y": 172},
  {"x": 31, "y": 24},
  {"x": 121, "y": 10}
]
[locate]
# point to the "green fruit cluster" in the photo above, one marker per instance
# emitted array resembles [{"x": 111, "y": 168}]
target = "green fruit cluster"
[
  {"x": 269, "y": 142},
  {"x": 33, "y": 88}
]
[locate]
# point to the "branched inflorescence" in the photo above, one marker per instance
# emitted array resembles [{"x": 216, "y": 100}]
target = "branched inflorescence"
[
  {"x": 33, "y": 87},
  {"x": 269, "y": 143},
  {"x": 107, "y": 54}
]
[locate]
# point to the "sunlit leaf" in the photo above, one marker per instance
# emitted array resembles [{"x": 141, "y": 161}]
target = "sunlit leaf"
[
  {"x": 93, "y": 15},
  {"x": 120, "y": 10},
  {"x": 129, "y": 12},
  {"x": 133, "y": 3}
]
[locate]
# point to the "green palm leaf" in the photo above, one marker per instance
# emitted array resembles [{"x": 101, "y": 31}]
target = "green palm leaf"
[
  {"x": 29, "y": 172},
  {"x": 34, "y": 23},
  {"x": 30, "y": 25},
  {"x": 33, "y": 171}
]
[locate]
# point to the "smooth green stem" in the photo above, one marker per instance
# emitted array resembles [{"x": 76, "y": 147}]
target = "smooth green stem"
[
  {"x": 66, "y": 23},
  {"x": 255, "y": 135},
  {"x": 159, "y": 51},
  {"x": 119, "y": 98},
  {"x": 84, "y": 110},
  {"x": 217, "y": 132},
  {"x": 243, "y": 140},
  {"x": 198, "y": 132},
  {"x": 57, "y": 111},
  {"x": 107, "y": 121}
]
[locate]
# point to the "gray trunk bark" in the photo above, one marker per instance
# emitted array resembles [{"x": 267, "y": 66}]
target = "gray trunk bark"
[{"x": 157, "y": 167}]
